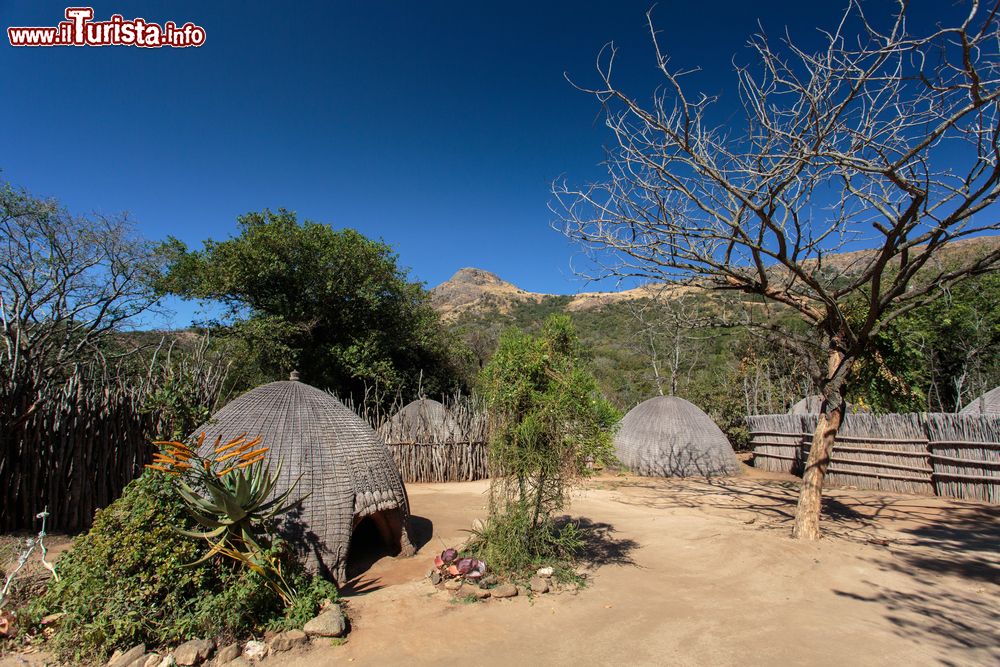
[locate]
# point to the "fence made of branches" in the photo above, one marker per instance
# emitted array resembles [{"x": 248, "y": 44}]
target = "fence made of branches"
[
  {"x": 935, "y": 454},
  {"x": 434, "y": 441},
  {"x": 73, "y": 445}
]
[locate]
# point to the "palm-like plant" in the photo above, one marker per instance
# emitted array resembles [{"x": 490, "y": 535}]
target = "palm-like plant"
[{"x": 229, "y": 494}]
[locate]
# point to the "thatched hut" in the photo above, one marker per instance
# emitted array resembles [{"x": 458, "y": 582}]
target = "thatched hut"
[
  {"x": 345, "y": 472},
  {"x": 422, "y": 421},
  {"x": 812, "y": 405},
  {"x": 987, "y": 404},
  {"x": 667, "y": 436}
]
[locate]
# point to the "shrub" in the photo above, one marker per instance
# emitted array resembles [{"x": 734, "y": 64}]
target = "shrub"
[
  {"x": 548, "y": 422},
  {"x": 129, "y": 580}
]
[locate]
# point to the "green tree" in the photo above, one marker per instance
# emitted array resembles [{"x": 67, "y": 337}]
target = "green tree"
[
  {"x": 331, "y": 303},
  {"x": 548, "y": 422}
]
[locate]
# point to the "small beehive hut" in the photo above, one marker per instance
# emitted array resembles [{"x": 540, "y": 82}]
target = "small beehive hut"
[
  {"x": 987, "y": 404},
  {"x": 432, "y": 443},
  {"x": 345, "y": 473},
  {"x": 812, "y": 405},
  {"x": 667, "y": 436},
  {"x": 422, "y": 420}
]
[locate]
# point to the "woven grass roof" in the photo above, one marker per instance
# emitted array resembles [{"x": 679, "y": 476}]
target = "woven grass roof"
[
  {"x": 988, "y": 403},
  {"x": 812, "y": 405},
  {"x": 425, "y": 421},
  {"x": 346, "y": 470},
  {"x": 667, "y": 436}
]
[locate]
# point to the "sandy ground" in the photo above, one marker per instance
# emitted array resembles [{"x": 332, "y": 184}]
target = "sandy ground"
[
  {"x": 698, "y": 573},
  {"x": 691, "y": 572}
]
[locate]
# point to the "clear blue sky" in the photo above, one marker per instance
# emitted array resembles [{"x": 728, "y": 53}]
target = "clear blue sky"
[{"x": 436, "y": 126}]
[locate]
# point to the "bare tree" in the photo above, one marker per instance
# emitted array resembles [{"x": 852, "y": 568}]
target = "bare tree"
[
  {"x": 66, "y": 283},
  {"x": 884, "y": 139}
]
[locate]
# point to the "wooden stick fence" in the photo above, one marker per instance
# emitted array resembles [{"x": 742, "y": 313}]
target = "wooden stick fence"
[
  {"x": 441, "y": 461},
  {"x": 434, "y": 441},
  {"x": 942, "y": 454}
]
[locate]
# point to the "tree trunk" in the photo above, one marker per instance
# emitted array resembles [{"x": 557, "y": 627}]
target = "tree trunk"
[{"x": 830, "y": 418}]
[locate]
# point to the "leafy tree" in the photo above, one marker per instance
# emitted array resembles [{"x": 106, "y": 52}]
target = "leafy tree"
[
  {"x": 548, "y": 421},
  {"x": 332, "y": 303}
]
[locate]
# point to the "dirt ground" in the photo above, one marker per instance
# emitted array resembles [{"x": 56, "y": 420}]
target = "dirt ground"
[
  {"x": 687, "y": 572},
  {"x": 702, "y": 573}
]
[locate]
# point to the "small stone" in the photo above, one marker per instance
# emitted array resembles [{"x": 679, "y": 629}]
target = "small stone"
[
  {"x": 522, "y": 590},
  {"x": 228, "y": 654},
  {"x": 168, "y": 662},
  {"x": 435, "y": 577},
  {"x": 473, "y": 591},
  {"x": 120, "y": 659},
  {"x": 504, "y": 591},
  {"x": 146, "y": 660},
  {"x": 329, "y": 623},
  {"x": 193, "y": 652},
  {"x": 545, "y": 572},
  {"x": 286, "y": 641},
  {"x": 453, "y": 584},
  {"x": 51, "y": 618},
  {"x": 255, "y": 650},
  {"x": 539, "y": 585}
]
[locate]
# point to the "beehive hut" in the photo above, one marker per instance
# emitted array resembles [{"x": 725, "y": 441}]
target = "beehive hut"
[
  {"x": 987, "y": 404},
  {"x": 667, "y": 436},
  {"x": 811, "y": 405},
  {"x": 431, "y": 443},
  {"x": 422, "y": 421},
  {"x": 345, "y": 472}
]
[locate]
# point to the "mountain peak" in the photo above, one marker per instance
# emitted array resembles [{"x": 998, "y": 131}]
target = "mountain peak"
[{"x": 472, "y": 288}]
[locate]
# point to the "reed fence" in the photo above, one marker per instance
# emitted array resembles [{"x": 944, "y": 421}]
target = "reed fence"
[
  {"x": 433, "y": 441},
  {"x": 935, "y": 454},
  {"x": 74, "y": 453}
]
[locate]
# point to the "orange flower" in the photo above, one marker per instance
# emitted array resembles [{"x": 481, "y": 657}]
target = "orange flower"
[{"x": 250, "y": 455}]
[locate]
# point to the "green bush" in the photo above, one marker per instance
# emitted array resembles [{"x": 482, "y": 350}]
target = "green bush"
[{"x": 128, "y": 581}]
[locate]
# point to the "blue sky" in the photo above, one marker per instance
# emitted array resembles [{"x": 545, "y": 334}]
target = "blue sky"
[{"x": 436, "y": 126}]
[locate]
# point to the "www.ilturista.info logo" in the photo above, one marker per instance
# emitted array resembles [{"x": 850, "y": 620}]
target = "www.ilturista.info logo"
[{"x": 79, "y": 29}]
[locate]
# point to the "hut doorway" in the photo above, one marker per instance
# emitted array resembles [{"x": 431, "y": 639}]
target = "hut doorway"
[{"x": 375, "y": 536}]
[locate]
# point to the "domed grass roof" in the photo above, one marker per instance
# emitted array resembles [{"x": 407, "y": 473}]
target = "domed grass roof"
[
  {"x": 812, "y": 405},
  {"x": 667, "y": 436},
  {"x": 346, "y": 470},
  {"x": 988, "y": 403},
  {"x": 425, "y": 421}
]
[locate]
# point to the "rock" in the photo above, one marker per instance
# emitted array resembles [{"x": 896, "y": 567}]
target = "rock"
[
  {"x": 544, "y": 572},
  {"x": 146, "y": 660},
  {"x": 255, "y": 650},
  {"x": 329, "y": 623},
  {"x": 125, "y": 659},
  {"x": 521, "y": 590},
  {"x": 327, "y": 603},
  {"x": 228, "y": 654},
  {"x": 539, "y": 585},
  {"x": 286, "y": 641},
  {"x": 168, "y": 662},
  {"x": 473, "y": 591},
  {"x": 193, "y": 652},
  {"x": 504, "y": 591},
  {"x": 453, "y": 584},
  {"x": 435, "y": 577},
  {"x": 236, "y": 662}
]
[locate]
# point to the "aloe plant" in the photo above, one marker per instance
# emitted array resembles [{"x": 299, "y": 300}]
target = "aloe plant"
[{"x": 228, "y": 493}]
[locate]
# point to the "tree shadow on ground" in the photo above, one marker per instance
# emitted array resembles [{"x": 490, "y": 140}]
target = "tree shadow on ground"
[
  {"x": 600, "y": 546},
  {"x": 940, "y": 619},
  {"x": 947, "y": 549}
]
